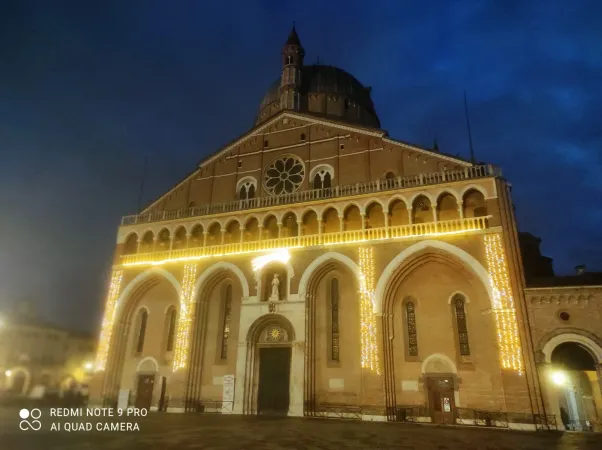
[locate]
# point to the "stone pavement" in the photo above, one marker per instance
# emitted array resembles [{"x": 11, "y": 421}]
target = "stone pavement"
[{"x": 217, "y": 432}]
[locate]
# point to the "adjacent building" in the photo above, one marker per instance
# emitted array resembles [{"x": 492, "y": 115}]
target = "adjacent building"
[{"x": 318, "y": 266}]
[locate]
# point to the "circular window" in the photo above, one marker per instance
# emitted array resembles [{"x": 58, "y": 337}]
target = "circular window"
[
  {"x": 284, "y": 175},
  {"x": 564, "y": 316}
]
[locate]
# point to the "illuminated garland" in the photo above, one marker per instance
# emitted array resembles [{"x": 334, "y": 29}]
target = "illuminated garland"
[
  {"x": 185, "y": 318},
  {"x": 503, "y": 304},
  {"x": 107, "y": 321},
  {"x": 367, "y": 317}
]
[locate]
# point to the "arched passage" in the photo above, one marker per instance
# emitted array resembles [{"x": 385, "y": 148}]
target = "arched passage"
[{"x": 574, "y": 387}]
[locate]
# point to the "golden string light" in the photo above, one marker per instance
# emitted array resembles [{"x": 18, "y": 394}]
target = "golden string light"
[
  {"x": 282, "y": 245},
  {"x": 185, "y": 319},
  {"x": 107, "y": 321},
  {"x": 503, "y": 304},
  {"x": 367, "y": 318}
]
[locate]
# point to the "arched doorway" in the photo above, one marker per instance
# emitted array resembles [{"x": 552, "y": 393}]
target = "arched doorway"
[
  {"x": 441, "y": 387},
  {"x": 268, "y": 372},
  {"x": 146, "y": 373},
  {"x": 274, "y": 371},
  {"x": 575, "y": 375}
]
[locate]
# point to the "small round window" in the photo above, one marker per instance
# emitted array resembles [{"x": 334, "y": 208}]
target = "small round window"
[
  {"x": 564, "y": 316},
  {"x": 284, "y": 175}
]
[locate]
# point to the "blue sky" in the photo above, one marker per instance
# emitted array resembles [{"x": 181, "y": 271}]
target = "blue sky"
[{"x": 87, "y": 91}]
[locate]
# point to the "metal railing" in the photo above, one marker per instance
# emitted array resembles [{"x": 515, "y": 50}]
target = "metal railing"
[
  {"x": 210, "y": 406},
  {"x": 342, "y": 237},
  {"x": 545, "y": 422},
  {"x": 408, "y": 414},
  {"x": 481, "y": 418},
  {"x": 335, "y": 411},
  {"x": 423, "y": 179}
]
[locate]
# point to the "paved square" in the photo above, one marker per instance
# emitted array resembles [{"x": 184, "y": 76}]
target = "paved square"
[{"x": 217, "y": 432}]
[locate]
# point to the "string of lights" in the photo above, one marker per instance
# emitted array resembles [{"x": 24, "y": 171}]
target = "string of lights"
[
  {"x": 401, "y": 232},
  {"x": 185, "y": 318},
  {"x": 503, "y": 304},
  {"x": 107, "y": 321},
  {"x": 367, "y": 317}
]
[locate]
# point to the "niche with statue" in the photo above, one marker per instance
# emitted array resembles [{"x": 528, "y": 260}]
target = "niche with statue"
[{"x": 274, "y": 283}]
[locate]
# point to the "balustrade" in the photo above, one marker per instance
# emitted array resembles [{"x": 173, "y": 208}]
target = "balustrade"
[
  {"x": 318, "y": 194},
  {"x": 313, "y": 240}
]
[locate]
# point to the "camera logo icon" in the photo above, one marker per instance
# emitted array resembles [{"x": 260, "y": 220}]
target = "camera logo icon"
[{"x": 34, "y": 424}]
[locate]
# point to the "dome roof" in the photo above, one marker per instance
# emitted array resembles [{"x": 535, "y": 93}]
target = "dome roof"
[{"x": 319, "y": 82}]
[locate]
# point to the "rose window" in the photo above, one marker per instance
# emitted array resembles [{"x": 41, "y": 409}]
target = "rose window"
[{"x": 284, "y": 175}]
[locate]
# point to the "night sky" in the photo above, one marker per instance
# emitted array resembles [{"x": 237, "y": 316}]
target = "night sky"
[{"x": 86, "y": 92}]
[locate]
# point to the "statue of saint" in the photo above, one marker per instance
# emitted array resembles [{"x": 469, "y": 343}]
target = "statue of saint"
[{"x": 276, "y": 287}]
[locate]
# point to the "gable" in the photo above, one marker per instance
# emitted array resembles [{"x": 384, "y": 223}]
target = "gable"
[{"x": 356, "y": 155}]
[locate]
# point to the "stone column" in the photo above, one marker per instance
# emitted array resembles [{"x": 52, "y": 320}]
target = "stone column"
[
  {"x": 176, "y": 391},
  {"x": 461, "y": 209},
  {"x": 410, "y": 219},
  {"x": 299, "y": 231},
  {"x": 279, "y": 229},
  {"x": 342, "y": 223},
  {"x": 239, "y": 382},
  {"x": 387, "y": 220},
  {"x": 296, "y": 379},
  {"x": 223, "y": 235},
  {"x": 550, "y": 392},
  {"x": 205, "y": 233},
  {"x": 598, "y": 396}
]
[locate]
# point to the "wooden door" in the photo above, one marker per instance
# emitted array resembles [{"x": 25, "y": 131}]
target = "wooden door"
[
  {"x": 144, "y": 392},
  {"x": 441, "y": 400},
  {"x": 274, "y": 373}
]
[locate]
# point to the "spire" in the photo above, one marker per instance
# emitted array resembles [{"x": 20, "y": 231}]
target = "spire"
[
  {"x": 292, "y": 66},
  {"x": 435, "y": 146},
  {"x": 293, "y": 37}
]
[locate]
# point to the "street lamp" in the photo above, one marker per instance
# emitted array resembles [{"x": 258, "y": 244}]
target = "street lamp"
[
  {"x": 88, "y": 366},
  {"x": 8, "y": 373},
  {"x": 559, "y": 378}
]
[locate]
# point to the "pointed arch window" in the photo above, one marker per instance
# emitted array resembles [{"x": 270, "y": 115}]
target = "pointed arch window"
[
  {"x": 334, "y": 311},
  {"x": 246, "y": 188},
  {"x": 461, "y": 325},
  {"x": 171, "y": 329},
  {"x": 141, "y": 331},
  {"x": 412, "y": 333},
  {"x": 322, "y": 176},
  {"x": 226, "y": 321}
]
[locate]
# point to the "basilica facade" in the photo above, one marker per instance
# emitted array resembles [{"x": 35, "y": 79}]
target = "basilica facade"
[{"x": 315, "y": 266}]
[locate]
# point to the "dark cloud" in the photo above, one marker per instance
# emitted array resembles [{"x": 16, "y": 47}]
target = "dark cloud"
[{"x": 89, "y": 90}]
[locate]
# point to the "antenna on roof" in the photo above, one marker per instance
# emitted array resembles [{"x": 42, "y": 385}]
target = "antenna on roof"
[
  {"x": 142, "y": 185},
  {"x": 472, "y": 160}
]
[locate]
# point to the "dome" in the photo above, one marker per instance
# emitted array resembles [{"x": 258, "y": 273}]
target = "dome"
[{"x": 326, "y": 91}]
